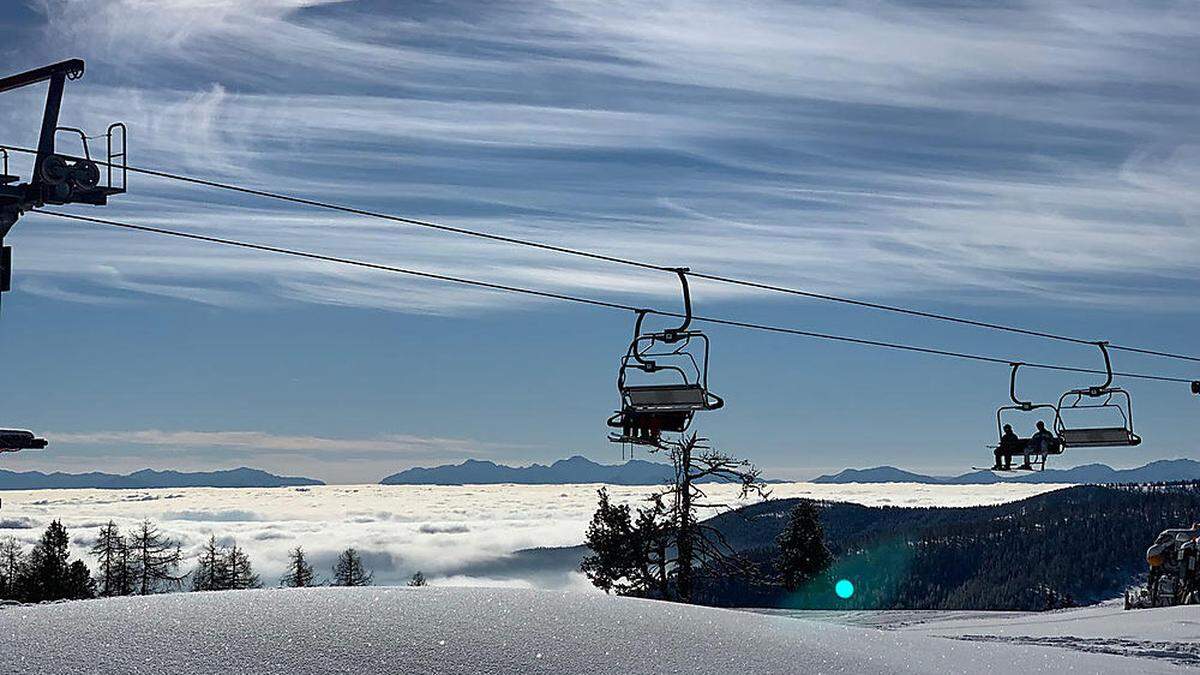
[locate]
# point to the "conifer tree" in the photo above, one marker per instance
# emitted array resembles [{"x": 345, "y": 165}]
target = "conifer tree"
[
  {"x": 240, "y": 572},
  {"x": 12, "y": 558},
  {"x": 657, "y": 554},
  {"x": 211, "y": 573},
  {"x": 123, "y": 573},
  {"x": 802, "y": 551},
  {"x": 418, "y": 579},
  {"x": 155, "y": 560},
  {"x": 300, "y": 573},
  {"x": 48, "y": 573},
  {"x": 349, "y": 570},
  {"x": 79, "y": 583},
  {"x": 108, "y": 550},
  {"x": 629, "y": 554}
]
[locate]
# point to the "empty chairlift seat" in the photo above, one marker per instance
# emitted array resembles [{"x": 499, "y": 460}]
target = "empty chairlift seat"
[
  {"x": 1100, "y": 437},
  {"x": 1112, "y": 404},
  {"x": 666, "y": 398}
]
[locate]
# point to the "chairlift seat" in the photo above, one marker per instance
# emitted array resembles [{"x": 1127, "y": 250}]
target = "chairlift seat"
[
  {"x": 1101, "y": 437},
  {"x": 666, "y": 397}
]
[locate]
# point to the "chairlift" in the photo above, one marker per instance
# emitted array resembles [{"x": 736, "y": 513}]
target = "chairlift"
[
  {"x": 676, "y": 363},
  {"x": 14, "y": 440},
  {"x": 1037, "y": 458},
  {"x": 1102, "y": 398}
]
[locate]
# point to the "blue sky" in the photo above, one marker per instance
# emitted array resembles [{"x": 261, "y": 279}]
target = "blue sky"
[{"x": 1033, "y": 163}]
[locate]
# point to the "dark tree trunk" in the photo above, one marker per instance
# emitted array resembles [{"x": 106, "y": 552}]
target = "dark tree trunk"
[{"x": 684, "y": 545}]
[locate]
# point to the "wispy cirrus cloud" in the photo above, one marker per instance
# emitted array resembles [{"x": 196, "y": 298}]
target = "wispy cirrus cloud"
[
  {"x": 883, "y": 149},
  {"x": 265, "y": 441}
]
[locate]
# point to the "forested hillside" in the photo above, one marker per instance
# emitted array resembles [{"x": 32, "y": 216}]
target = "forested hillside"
[{"x": 1063, "y": 548}]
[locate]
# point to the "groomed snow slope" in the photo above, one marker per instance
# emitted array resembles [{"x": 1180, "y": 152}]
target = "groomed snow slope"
[
  {"x": 479, "y": 630},
  {"x": 1168, "y": 633}
]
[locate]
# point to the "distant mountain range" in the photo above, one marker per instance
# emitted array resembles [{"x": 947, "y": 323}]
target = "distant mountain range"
[
  {"x": 572, "y": 470},
  {"x": 1154, "y": 472},
  {"x": 147, "y": 478}
]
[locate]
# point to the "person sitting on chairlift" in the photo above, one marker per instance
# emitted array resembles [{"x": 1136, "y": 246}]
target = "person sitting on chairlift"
[
  {"x": 1010, "y": 444},
  {"x": 1041, "y": 443}
]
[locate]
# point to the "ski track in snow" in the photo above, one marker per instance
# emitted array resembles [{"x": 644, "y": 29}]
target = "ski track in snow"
[{"x": 1182, "y": 653}]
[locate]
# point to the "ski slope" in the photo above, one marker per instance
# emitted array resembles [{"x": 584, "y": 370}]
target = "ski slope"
[{"x": 491, "y": 630}]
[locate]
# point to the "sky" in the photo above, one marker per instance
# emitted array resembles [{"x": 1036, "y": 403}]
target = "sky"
[{"x": 1031, "y": 163}]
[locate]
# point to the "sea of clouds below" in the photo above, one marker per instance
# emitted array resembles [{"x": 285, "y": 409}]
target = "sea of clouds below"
[{"x": 451, "y": 533}]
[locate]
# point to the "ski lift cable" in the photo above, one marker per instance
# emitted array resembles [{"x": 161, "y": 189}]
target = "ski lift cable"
[
  {"x": 908, "y": 311},
  {"x": 507, "y": 288}
]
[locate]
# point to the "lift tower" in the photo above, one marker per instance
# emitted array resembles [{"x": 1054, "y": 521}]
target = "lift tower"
[{"x": 56, "y": 179}]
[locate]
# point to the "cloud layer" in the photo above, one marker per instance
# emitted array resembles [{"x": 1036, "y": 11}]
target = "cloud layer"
[{"x": 439, "y": 530}]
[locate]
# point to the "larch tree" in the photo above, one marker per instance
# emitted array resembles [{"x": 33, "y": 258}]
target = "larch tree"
[
  {"x": 12, "y": 558},
  {"x": 240, "y": 572},
  {"x": 802, "y": 551},
  {"x": 155, "y": 560},
  {"x": 123, "y": 573},
  {"x": 350, "y": 571},
  {"x": 210, "y": 573},
  {"x": 300, "y": 573},
  {"x": 109, "y": 550}
]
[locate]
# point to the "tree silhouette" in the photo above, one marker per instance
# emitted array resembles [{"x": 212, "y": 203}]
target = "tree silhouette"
[
  {"x": 49, "y": 575},
  {"x": 349, "y": 570},
  {"x": 628, "y": 556},
  {"x": 155, "y": 560},
  {"x": 658, "y": 553},
  {"x": 240, "y": 571},
  {"x": 12, "y": 558},
  {"x": 300, "y": 573},
  {"x": 109, "y": 550},
  {"x": 211, "y": 572},
  {"x": 802, "y": 550}
]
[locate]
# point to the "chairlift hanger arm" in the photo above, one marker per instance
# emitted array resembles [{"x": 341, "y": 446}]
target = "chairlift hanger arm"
[
  {"x": 672, "y": 334},
  {"x": 1100, "y": 390},
  {"x": 634, "y": 349},
  {"x": 1012, "y": 389}
]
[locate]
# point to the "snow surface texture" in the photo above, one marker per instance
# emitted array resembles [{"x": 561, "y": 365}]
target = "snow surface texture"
[
  {"x": 400, "y": 529},
  {"x": 459, "y": 630},
  {"x": 1169, "y": 634}
]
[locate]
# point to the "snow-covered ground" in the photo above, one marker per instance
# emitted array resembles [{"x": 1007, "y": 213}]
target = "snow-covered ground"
[
  {"x": 1169, "y": 635},
  {"x": 461, "y": 630},
  {"x": 440, "y": 530}
]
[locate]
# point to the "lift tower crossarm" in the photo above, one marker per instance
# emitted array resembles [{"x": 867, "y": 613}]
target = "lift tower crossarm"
[{"x": 57, "y": 74}]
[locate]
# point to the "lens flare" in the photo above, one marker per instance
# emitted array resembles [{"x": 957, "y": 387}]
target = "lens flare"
[{"x": 844, "y": 589}]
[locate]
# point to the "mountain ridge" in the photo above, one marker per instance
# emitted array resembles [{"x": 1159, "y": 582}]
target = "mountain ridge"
[
  {"x": 572, "y": 470},
  {"x": 1154, "y": 472},
  {"x": 242, "y": 477}
]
